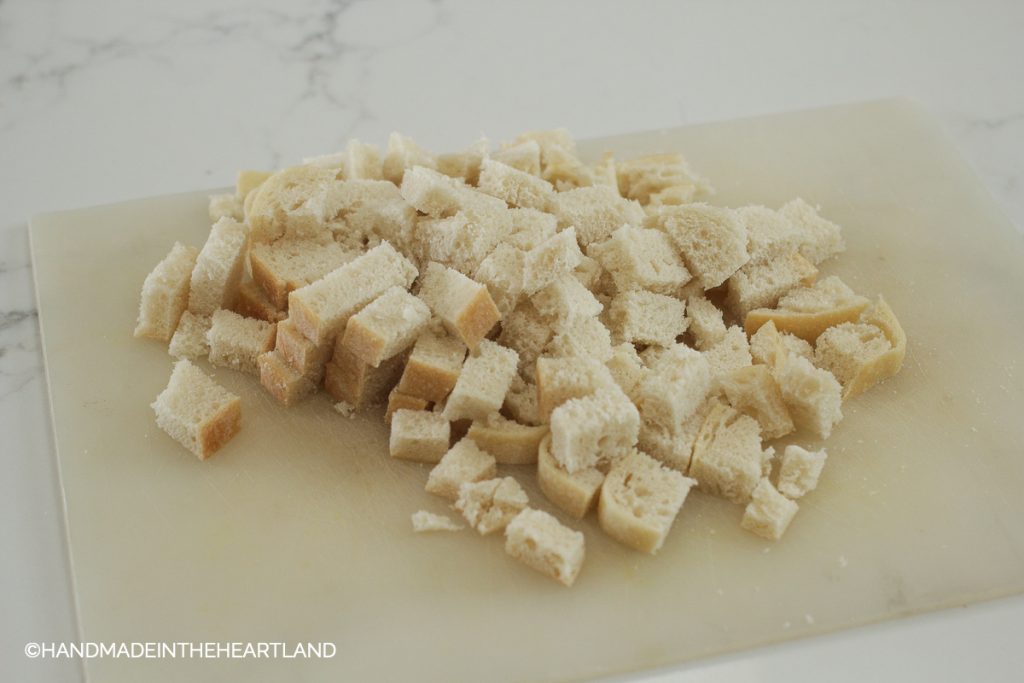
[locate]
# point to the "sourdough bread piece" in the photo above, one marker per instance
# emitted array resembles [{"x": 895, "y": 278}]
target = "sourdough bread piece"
[
  {"x": 659, "y": 179},
  {"x": 812, "y": 395},
  {"x": 753, "y": 391},
  {"x": 641, "y": 258},
  {"x": 347, "y": 378},
  {"x": 727, "y": 458},
  {"x": 563, "y": 168},
  {"x": 321, "y": 309},
  {"x": 859, "y": 355},
  {"x": 489, "y": 505},
  {"x": 527, "y": 332},
  {"x": 282, "y": 381},
  {"x": 595, "y": 212},
  {"x": 197, "y": 412},
  {"x": 768, "y": 513},
  {"x": 387, "y": 326},
  {"x": 305, "y": 357},
  {"x": 761, "y": 285},
  {"x": 423, "y": 522},
  {"x": 524, "y": 156},
  {"x": 286, "y": 265},
  {"x": 165, "y": 294},
  {"x": 594, "y": 430},
  {"x": 674, "y": 447},
  {"x": 464, "y": 463},
  {"x": 502, "y": 273},
  {"x": 770, "y": 347},
  {"x": 582, "y": 337},
  {"x": 564, "y": 300},
  {"x": 399, "y": 401},
  {"x": 434, "y": 366},
  {"x": 465, "y": 165},
  {"x": 707, "y": 326},
  {"x": 510, "y": 442},
  {"x": 556, "y": 256},
  {"x": 643, "y": 317},
  {"x": 800, "y": 471},
  {"x": 530, "y": 228},
  {"x": 464, "y": 306},
  {"x": 403, "y": 154},
  {"x": 362, "y": 161},
  {"x": 575, "y": 494},
  {"x": 711, "y": 240},
  {"x": 364, "y": 213},
  {"x": 291, "y": 202},
  {"x": 820, "y": 239},
  {"x": 521, "y": 402},
  {"x": 253, "y": 302},
  {"x": 627, "y": 370},
  {"x": 565, "y": 378},
  {"x": 461, "y": 241},
  {"x": 640, "y": 499},
  {"x": 541, "y": 542},
  {"x": 516, "y": 188},
  {"x": 806, "y": 312},
  {"x": 189, "y": 340},
  {"x": 419, "y": 435},
  {"x": 675, "y": 387},
  {"x": 728, "y": 355},
  {"x": 769, "y": 234},
  {"x": 483, "y": 383},
  {"x": 236, "y": 342}
]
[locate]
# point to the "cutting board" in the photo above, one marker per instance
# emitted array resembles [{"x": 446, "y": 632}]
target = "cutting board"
[{"x": 298, "y": 530}]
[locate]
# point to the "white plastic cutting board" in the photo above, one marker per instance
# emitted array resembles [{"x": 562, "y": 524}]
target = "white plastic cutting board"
[{"x": 299, "y": 529}]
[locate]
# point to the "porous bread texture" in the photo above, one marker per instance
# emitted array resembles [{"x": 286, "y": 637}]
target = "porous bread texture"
[
  {"x": 460, "y": 241},
  {"x": 302, "y": 355},
  {"x": 433, "y": 367},
  {"x": 727, "y": 458},
  {"x": 287, "y": 264},
  {"x": 753, "y": 391},
  {"x": 565, "y": 378},
  {"x": 673, "y": 446},
  {"x": 419, "y": 435},
  {"x": 644, "y": 317},
  {"x": 387, "y": 326},
  {"x": 711, "y": 240},
  {"x": 769, "y": 234},
  {"x": 604, "y": 172},
  {"x": 465, "y": 165},
  {"x": 659, "y": 179},
  {"x": 483, "y": 383},
  {"x": 675, "y": 387},
  {"x": 564, "y": 300},
  {"x": 226, "y": 205},
  {"x": 527, "y": 332},
  {"x": 348, "y": 378},
  {"x": 283, "y": 382},
  {"x": 516, "y": 188},
  {"x": 585, "y": 337},
  {"x": 197, "y": 412},
  {"x": 219, "y": 268},
  {"x": 321, "y": 309},
  {"x": 403, "y": 154},
  {"x": 165, "y": 293},
  {"x": 189, "y": 340},
  {"x": 399, "y": 401},
  {"x": 806, "y": 312},
  {"x": 510, "y": 442},
  {"x": 290, "y": 203},
  {"x": 626, "y": 368},
  {"x": 521, "y": 402},
  {"x": 253, "y": 302},
  {"x": 768, "y": 513},
  {"x": 596, "y": 212},
  {"x": 641, "y": 258},
  {"x": 423, "y": 522},
  {"x": 364, "y": 213},
  {"x": 524, "y": 156},
  {"x": 236, "y": 342},
  {"x": 639, "y": 500},
  {"x": 593, "y": 430},
  {"x": 707, "y": 325},
  {"x": 574, "y": 493},
  {"x": 464, "y": 463},
  {"x": 590, "y": 274},
  {"x": 800, "y": 471},
  {"x": 530, "y": 228},
  {"x": 489, "y": 505},
  {"x": 859, "y": 354},
  {"x": 502, "y": 273},
  {"x": 731, "y": 353},
  {"x": 770, "y": 347},
  {"x": 556, "y": 256},
  {"x": 248, "y": 180},
  {"x": 761, "y": 285},
  {"x": 812, "y": 395},
  {"x": 820, "y": 239},
  {"x": 541, "y": 542},
  {"x": 464, "y": 306}
]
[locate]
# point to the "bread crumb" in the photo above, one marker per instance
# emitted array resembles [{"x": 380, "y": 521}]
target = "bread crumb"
[
  {"x": 423, "y": 521},
  {"x": 346, "y": 409}
]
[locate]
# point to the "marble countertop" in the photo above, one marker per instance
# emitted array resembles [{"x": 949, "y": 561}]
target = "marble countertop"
[{"x": 103, "y": 101}]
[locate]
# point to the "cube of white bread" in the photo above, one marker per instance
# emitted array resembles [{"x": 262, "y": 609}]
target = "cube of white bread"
[
  {"x": 820, "y": 238},
  {"x": 675, "y": 387},
  {"x": 253, "y": 302},
  {"x": 548, "y": 141},
  {"x": 524, "y": 156},
  {"x": 226, "y": 206},
  {"x": 808, "y": 311},
  {"x": 521, "y": 402},
  {"x": 321, "y": 309},
  {"x": 189, "y": 340},
  {"x": 419, "y": 435},
  {"x": 287, "y": 264},
  {"x": 483, "y": 383},
  {"x": 400, "y": 401},
  {"x": 489, "y": 505},
  {"x": 433, "y": 367},
  {"x": 362, "y": 161},
  {"x": 564, "y": 300},
  {"x": 674, "y": 446},
  {"x": 305, "y": 357},
  {"x": 595, "y": 212},
  {"x": 387, "y": 326},
  {"x": 563, "y": 378},
  {"x": 711, "y": 240},
  {"x": 464, "y": 306},
  {"x": 364, "y": 213},
  {"x": 530, "y": 228},
  {"x": 510, "y": 442},
  {"x": 800, "y": 471},
  {"x": 465, "y": 164},
  {"x": 727, "y": 458},
  {"x": 281, "y": 380},
  {"x": 585, "y": 337},
  {"x": 731, "y": 353},
  {"x": 502, "y": 273},
  {"x": 561, "y": 167},
  {"x": 641, "y": 258},
  {"x": 627, "y": 369},
  {"x": 541, "y": 542},
  {"x": 707, "y": 326},
  {"x": 439, "y": 196},
  {"x": 248, "y": 180},
  {"x": 556, "y": 256},
  {"x": 640, "y": 499},
  {"x": 528, "y": 332},
  {"x": 291, "y": 202},
  {"x": 165, "y": 294},
  {"x": 423, "y": 522},
  {"x": 812, "y": 395},
  {"x": 660, "y": 179},
  {"x": 590, "y": 274},
  {"x": 516, "y": 188},
  {"x": 862, "y": 354},
  {"x": 643, "y": 317},
  {"x": 761, "y": 285},
  {"x": 236, "y": 342},
  {"x": 593, "y": 430},
  {"x": 769, "y": 234},
  {"x": 458, "y": 241},
  {"x": 770, "y": 347},
  {"x": 348, "y": 378},
  {"x": 753, "y": 391},
  {"x": 464, "y": 463},
  {"x": 574, "y": 493},
  {"x": 605, "y": 172},
  {"x": 768, "y": 513},
  {"x": 197, "y": 412},
  {"x": 403, "y": 154}
]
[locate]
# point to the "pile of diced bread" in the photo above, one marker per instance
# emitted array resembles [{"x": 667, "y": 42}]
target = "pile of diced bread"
[{"x": 597, "y": 326}]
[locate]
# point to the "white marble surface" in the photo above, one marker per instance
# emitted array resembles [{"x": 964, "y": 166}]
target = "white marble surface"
[{"x": 105, "y": 100}]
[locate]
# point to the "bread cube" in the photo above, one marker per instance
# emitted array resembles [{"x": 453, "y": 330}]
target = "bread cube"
[
  {"x": 862, "y": 354},
  {"x": 464, "y": 306},
  {"x": 626, "y": 368},
  {"x": 641, "y": 258},
  {"x": 768, "y": 513},
  {"x": 660, "y": 179},
  {"x": 291, "y": 203},
  {"x": 675, "y": 387},
  {"x": 464, "y": 463},
  {"x": 644, "y": 317},
  {"x": 812, "y": 395},
  {"x": 419, "y": 435},
  {"x": 197, "y": 412},
  {"x": 820, "y": 239},
  {"x": 808, "y": 311},
  {"x": 517, "y": 188},
  {"x": 399, "y": 401},
  {"x": 711, "y": 240},
  {"x": 527, "y": 332},
  {"x": 284, "y": 383},
  {"x": 753, "y": 391},
  {"x": 573, "y": 493},
  {"x": 489, "y": 505},
  {"x": 510, "y": 442},
  {"x": 226, "y": 206},
  {"x": 364, "y": 213},
  {"x": 521, "y": 402},
  {"x": 403, "y": 154},
  {"x": 530, "y": 228},
  {"x": 347, "y": 378},
  {"x": 465, "y": 165},
  {"x": 769, "y": 234},
  {"x": 423, "y": 522},
  {"x": 731, "y": 353},
  {"x": 541, "y": 542},
  {"x": 593, "y": 430},
  {"x": 770, "y": 347},
  {"x": 673, "y": 446},
  {"x": 565, "y": 299},
  {"x": 761, "y": 285},
  {"x": 595, "y": 212},
  {"x": 387, "y": 326},
  {"x": 640, "y": 499},
  {"x": 434, "y": 366},
  {"x": 483, "y": 383},
  {"x": 189, "y": 340},
  {"x": 524, "y": 156},
  {"x": 561, "y": 167},
  {"x": 583, "y": 337},
  {"x": 219, "y": 268},
  {"x": 253, "y": 302},
  {"x": 605, "y": 172},
  {"x": 727, "y": 458},
  {"x": 286, "y": 265},
  {"x": 562, "y": 379},
  {"x": 165, "y": 294},
  {"x": 707, "y": 326},
  {"x": 460, "y": 241},
  {"x": 502, "y": 272},
  {"x": 305, "y": 357},
  {"x": 556, "y": 256},
  {"x": 800, "y": 470},
  {"x": 236, "y": 342},
  {"x": 362, "y": 161}
]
